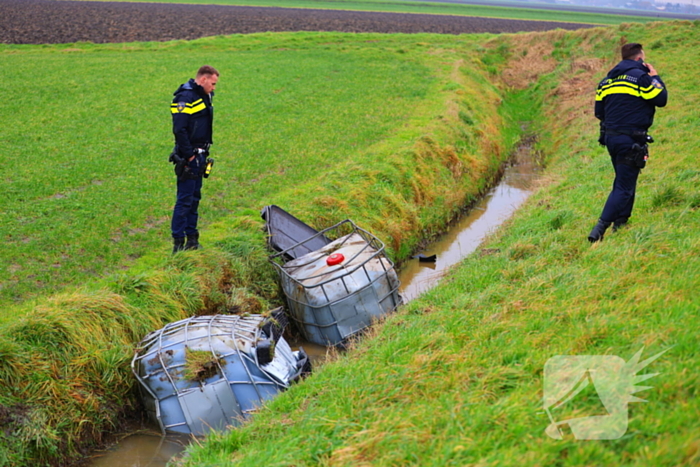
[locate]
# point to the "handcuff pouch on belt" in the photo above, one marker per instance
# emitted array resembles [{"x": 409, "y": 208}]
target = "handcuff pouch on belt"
[
  {"x": 178, "y": 161},
  {"x": 182, "y": 167},
  {"x": 637, "y": 156}
]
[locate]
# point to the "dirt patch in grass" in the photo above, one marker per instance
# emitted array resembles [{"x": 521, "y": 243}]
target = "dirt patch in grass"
[
  {"x": 531, "y": 59},
  {"x": 58, "y": 22}
]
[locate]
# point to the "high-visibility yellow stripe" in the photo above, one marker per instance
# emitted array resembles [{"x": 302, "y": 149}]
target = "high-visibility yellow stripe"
[
  {"x": 189, "y": 109},
  {"x": 651, "y": 91},
  {"x": 201, "y": 106},
  {"x": 605, "y": 88},
  {"x": 617, "y": 90},
  {"x": 623, "y": 87}
]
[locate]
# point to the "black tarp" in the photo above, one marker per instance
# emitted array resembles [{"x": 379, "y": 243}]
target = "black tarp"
[{"x": 285, "y": 231}]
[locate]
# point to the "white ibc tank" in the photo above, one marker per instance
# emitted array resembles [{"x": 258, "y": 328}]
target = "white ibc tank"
[
  {"x": 338, "y": 290},
  {"x": 209, "y": 372}
]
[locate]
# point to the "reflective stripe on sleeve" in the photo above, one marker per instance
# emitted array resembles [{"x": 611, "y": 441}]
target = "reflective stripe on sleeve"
[
  {"x": 189, "y": 109},
  {"x": 652, "y": 91},
  {"x": 623, "y": 87}
]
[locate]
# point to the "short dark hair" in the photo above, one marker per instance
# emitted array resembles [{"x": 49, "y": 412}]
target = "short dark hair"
[
  {"x": 207, "y": 70},
  {"x": 631, "y": 50}
]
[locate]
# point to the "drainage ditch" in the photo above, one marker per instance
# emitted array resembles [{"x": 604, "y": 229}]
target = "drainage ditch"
[
  {"x": 145, "y": 447},
  {"x": 467, "y": 232}
]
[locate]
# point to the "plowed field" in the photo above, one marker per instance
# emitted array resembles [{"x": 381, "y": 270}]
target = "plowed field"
[{"x": 56, "y": 22}]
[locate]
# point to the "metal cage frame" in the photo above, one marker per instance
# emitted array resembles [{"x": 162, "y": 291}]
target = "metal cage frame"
[
  {"x": 245, "y": 329},
  {"x": 280, "y": 260}
]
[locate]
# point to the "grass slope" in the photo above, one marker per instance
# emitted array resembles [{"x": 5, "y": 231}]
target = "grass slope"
[
  {"x": 329, "y": 126},
  {"x": 456, "y": 377}
]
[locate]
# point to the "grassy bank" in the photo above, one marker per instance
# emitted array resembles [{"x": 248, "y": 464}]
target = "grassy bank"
[
  {"x": 456, "y": 377},
  {"x": 395, "y": 132}
]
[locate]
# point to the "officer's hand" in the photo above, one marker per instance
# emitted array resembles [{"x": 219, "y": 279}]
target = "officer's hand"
[
  {"x": 652, "y": 70},
  {"x": 190, "y": 159}
]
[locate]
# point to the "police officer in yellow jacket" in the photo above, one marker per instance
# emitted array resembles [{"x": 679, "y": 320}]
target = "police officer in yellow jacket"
[
  {"x": 193, "y": 117},
  {"x": 625, "y": 104}
]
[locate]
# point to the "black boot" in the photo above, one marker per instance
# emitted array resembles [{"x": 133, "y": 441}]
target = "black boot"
[
  {"x": 598, "y": 231},
  {"x": 619, "y": 223},
  {"x": 193, "y": 242},
  {"x": 178, "y": 244}
]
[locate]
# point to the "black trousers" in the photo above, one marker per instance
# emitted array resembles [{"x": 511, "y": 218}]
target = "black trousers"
[
  {"x": 189, "y": 193},
  {"x": 621, "y": 198}
]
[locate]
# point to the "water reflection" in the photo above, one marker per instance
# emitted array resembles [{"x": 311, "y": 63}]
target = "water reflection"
[
  {"x": 317, "y": 353},
  {"x": 470, "y": 230}
]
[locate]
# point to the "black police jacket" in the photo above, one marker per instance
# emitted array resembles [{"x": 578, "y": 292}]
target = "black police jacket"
[
  {"x": 627, "y": 98},
  {"x": 193, "y": 118}
]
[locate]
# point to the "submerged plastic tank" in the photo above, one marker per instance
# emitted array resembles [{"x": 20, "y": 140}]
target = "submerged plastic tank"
[
  {"x": 210, "y": 372},
  {"x": 334, "y": 289}
]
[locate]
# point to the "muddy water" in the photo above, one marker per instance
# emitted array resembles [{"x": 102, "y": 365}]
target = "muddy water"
[
  {"x": 317, "y": 353},
  {"x": 149, "y": 449},
  {"x": 470, "y": 230},
  {"x": 141, "y": 447}
]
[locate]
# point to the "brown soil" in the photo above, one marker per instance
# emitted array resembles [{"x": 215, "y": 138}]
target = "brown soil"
[{"x": 59, "y": 21}]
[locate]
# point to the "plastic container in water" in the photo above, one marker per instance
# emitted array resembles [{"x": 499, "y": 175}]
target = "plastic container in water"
[
  {"x": 210, "y": 372},
  {"x": 337, "y": 290}
]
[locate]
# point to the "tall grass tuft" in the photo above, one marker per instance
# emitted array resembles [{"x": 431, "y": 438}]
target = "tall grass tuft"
[{"x": 66, "y": 376}]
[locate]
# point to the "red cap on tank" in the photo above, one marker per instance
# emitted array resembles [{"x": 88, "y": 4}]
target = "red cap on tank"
[{"x": 335, "y": 258}]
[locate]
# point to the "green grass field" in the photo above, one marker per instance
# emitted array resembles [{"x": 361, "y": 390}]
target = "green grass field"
[
  {"x": 398, "y": 133},
  {"x": 91, "y": 188}
]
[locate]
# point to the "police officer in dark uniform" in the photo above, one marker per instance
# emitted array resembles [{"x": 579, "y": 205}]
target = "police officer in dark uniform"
[
  {"x": 625, "y": 104},
  {"x": 193, "y": 116}
]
